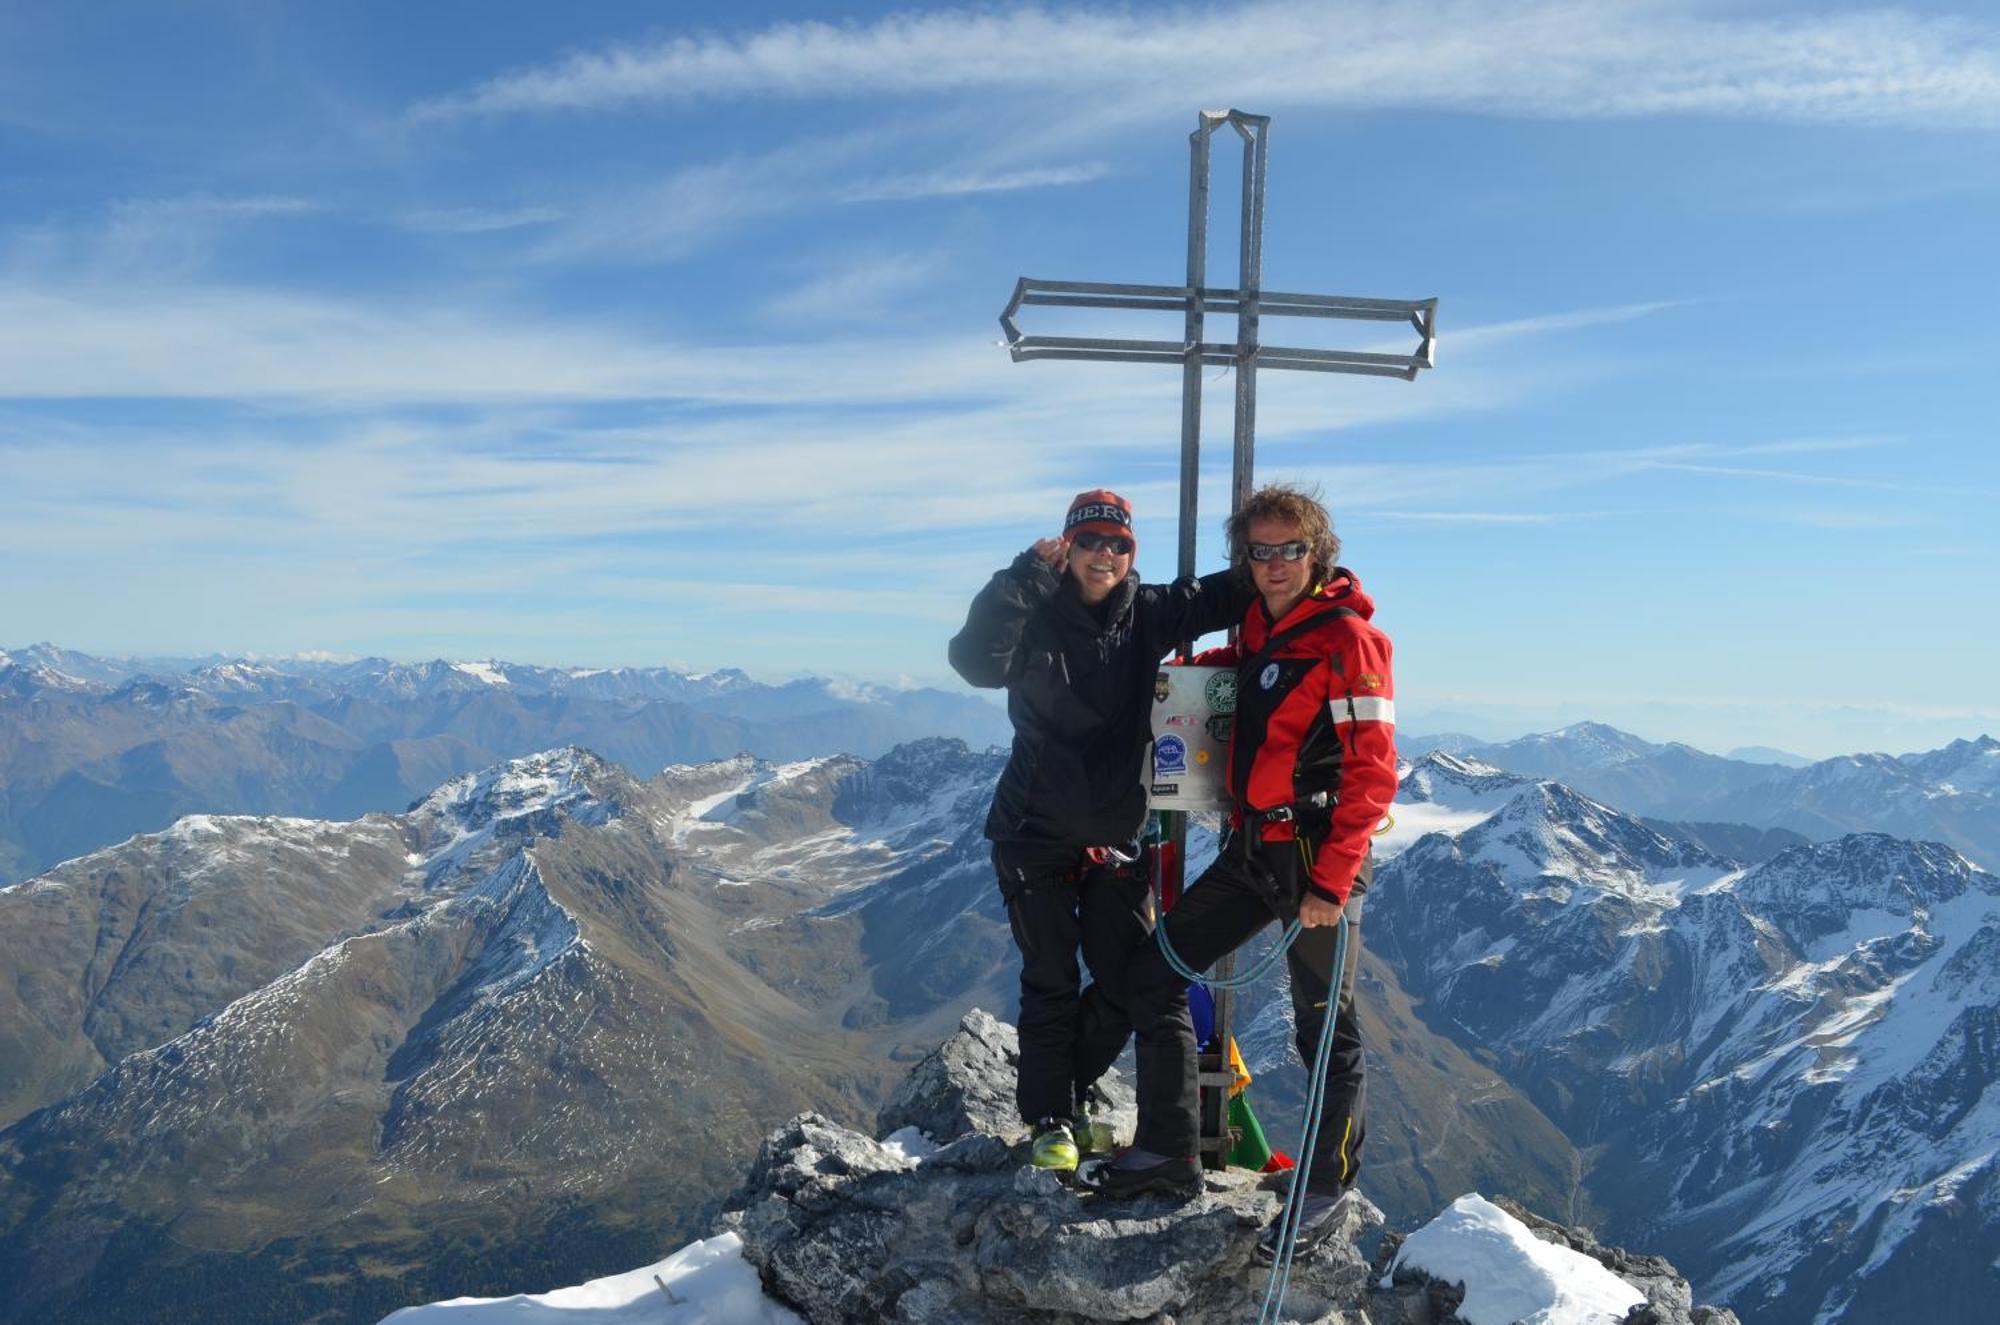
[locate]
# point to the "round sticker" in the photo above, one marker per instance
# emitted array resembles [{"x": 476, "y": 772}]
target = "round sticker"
[
  {"x": 1201, "y": 756},
  {"x": 1269, "y": 676},
  {"x": 1220, "y": 692}
]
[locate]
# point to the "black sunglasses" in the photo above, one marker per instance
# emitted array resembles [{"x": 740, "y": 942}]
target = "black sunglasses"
[
  {"x": 1116, "y": 544},
  {"x": 1293, "y": 551}
]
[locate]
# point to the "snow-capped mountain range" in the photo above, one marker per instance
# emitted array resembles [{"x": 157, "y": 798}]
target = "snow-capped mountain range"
[
  {"x": 1949, "y": 795},
  {"x": 556, "y": 1005},
  {"x": 93, "y": 750},
  {"x": 1790, "y": 1068},
  {"x": 547, "y": 1000}
]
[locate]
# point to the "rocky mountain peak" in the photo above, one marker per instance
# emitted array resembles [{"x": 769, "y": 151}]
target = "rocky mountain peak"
[
  {"x": 1548, "y": 830},
  {"x": 949, "y": 1225},
  {"x": 1816, "y": 889},
  {"x": 527, "y": 796},
  {"x": 1419, "y": 780},
  {"x": 1962, "y": 766}
]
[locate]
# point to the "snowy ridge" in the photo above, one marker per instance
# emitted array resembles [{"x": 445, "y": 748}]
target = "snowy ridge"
[
  {"x": 1547, "y": 840},
  {"x": 198, "y": 848},
  {"x": 1443, "y": 793},
  {"x": 1794, "y": 1057},
  {"x": 841, "y": 824},
  {"x": 1510, "y": 1276},
  {"x": 521, "y": 796}
]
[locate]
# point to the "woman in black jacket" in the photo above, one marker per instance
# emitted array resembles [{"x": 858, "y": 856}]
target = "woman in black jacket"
[{"x": 1076, "y": 640}]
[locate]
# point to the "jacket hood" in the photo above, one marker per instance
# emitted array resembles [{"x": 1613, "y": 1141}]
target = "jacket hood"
[
  {"x": 1340, "y": 589},
  {"x": 1343, "y": 589}
]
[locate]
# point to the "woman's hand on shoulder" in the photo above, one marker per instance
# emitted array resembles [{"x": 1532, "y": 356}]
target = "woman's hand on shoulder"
[{"x": 1051, "y": 551}]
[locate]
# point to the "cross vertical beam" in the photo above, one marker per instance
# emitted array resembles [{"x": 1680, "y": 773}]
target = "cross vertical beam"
[{"x": 1255, "y": 130}]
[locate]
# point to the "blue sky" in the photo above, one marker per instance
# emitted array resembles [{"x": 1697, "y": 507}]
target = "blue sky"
[{"x": 599, "y": 335}]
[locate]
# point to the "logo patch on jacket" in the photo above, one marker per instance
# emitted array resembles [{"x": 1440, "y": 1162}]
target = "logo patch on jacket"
[
  {"x": 1369, "y": 681},
  {"x": 1269, "y": 676}
]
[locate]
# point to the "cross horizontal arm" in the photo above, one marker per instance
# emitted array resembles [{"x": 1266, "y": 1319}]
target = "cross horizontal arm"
[
  {"x": 1421, "y": 314},
  {"x": 1102, "y": 350}
]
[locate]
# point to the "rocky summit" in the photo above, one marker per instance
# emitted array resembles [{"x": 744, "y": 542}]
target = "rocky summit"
[{"x": 844, "y": 1227}]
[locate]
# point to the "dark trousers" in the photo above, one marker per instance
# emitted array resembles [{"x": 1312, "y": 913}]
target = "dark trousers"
[
  {"x": 1058, "y": 902},
  {"x": 1215, "y": 916}
]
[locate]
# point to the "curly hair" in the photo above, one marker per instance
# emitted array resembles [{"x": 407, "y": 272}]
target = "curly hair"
[{"x": 1295, "y": 506}]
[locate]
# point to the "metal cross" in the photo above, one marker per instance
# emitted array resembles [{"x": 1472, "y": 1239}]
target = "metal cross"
[{"x": 1249, "y": 304}]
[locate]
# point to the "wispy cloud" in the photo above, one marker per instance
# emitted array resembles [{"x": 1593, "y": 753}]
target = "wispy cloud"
[
  {"x": 864, "y": 288},
  {"x": 477, "y": 220},
  {"x": 1482, "y": 517},
  {"x": 146, "y": 237},
  {"x": 1557, "y": 59},
  {"x": 689, "y": 208},
  {"x": 953, "y": 183},
  {"x": 1543, "y": 324}
]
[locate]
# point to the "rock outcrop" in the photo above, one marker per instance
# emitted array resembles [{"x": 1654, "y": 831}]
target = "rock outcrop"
[{"x": 845, "y": 1228}]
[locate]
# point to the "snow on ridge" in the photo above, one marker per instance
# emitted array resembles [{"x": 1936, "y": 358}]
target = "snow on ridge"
[
  {"x": 1443, "y": 793},
  {"x": 711, "y": 1280},
  {"x": 482, "y": 671},
  {"x": 515, "y": 788},
  {"x": 538, "y": 932},
  {"x": 1548, "y": 833},
  {"x": 1510, "y": 1276}
]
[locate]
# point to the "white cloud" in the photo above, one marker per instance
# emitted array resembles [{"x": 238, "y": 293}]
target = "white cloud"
[
  {"x": 1564, "y": 59},
  {"x": 146, "y": 238},
  {"x": 1482, "y": 517},
  {"x": 477, "y": 220},
  {"x": 954, "y": 183},
  {"x": 866, "y": 287}
]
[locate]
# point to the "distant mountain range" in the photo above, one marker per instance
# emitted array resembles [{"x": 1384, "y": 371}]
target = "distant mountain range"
[
  {"x": 280, "y": 1067},
  {"x": 263, "y": 1068},
  {"x": 1949, "y": 795},
  {"x": 93, "y": 750}
]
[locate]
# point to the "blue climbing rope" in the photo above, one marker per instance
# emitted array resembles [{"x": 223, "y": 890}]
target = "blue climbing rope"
[
  {"x": 1241, "y": 980},
  {"x": 1288, "y": 1226}
]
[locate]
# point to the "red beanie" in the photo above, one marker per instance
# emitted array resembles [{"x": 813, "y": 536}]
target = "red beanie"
[{"x": 1099, "y": 511}]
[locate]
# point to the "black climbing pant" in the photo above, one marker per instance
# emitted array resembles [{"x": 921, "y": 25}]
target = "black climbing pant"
[
  {"x": 1220, "y": 911},
  {"x": 1057, "y": 902}
]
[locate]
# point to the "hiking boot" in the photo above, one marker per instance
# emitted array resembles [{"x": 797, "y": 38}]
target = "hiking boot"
[
  {"x": 1093, "y": 1131},
  {"x": 1054, "y": 1147},
  {"x": 1318, "y": 1223},
  {"x": 1116, "y": 1179}
]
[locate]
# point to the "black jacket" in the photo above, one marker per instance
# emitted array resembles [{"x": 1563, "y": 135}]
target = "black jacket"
[{"x": 1080, "y": 692}]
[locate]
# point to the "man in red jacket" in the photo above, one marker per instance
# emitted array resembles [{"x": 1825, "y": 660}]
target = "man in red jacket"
[{"x": 1312, "y": 768}]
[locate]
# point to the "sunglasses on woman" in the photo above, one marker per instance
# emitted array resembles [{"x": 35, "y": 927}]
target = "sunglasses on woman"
[
  {"x": 1116, "y": 544},
  {"x": 1293, "y": 551}
]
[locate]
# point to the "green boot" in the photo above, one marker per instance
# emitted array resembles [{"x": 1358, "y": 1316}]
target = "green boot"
[
  {"x": 1093, "y": 1131},
  {"x": 1055, "y": 1146}
]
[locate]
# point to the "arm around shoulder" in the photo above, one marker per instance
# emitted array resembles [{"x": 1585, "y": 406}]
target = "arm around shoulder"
[{"x": 1193, "y": 606}]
